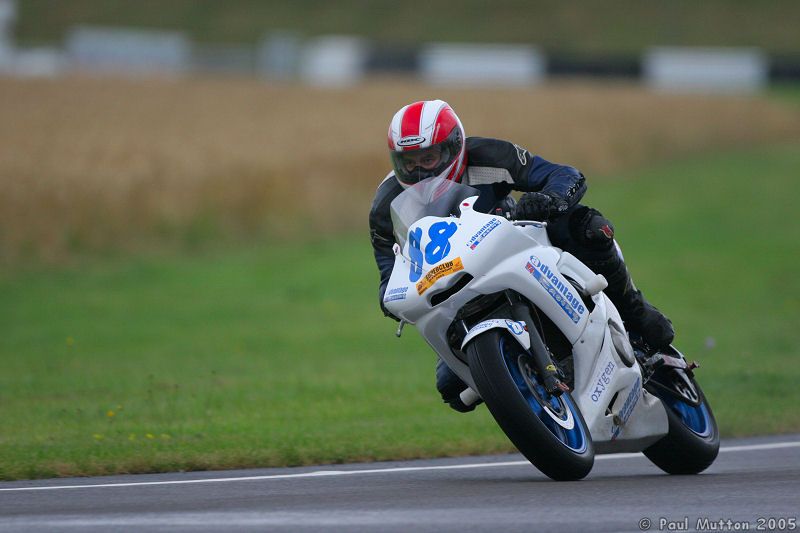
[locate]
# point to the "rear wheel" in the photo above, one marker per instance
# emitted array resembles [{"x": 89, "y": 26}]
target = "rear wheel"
[
  {"x": 692, "y": 443},
  {"x": 548, "y": 430}
]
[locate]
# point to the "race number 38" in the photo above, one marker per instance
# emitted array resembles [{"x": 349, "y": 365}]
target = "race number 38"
[{"x": 437, "y": 248}]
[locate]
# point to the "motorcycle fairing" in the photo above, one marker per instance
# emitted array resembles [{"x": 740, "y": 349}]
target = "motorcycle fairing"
[{"x": 607, "y": 385}]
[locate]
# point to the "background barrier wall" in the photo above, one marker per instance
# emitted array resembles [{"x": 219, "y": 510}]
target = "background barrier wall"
[
  {"x": 706, "y": 69},
  {"x": 481, "y": 64},
  {"x": 334, "y": 61},
  {"x": 128, "y": 50}
]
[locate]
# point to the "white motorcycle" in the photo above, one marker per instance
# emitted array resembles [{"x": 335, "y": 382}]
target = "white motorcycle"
[{"x": 527, "y": 327}]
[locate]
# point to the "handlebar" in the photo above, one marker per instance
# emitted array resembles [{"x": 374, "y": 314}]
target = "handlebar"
[{"x": 536, "y": 223}]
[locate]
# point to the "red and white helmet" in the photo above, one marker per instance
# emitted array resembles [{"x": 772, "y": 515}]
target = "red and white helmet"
[{"x": 426, "y": 139}]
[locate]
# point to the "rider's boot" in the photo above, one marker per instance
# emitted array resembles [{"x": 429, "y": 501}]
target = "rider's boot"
[
  {"x": 450, "y": 386},
  {"x": 597, "y": 248},
  {"x": 639, "y": 315}
]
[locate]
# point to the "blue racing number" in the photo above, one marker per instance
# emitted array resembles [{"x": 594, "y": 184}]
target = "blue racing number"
[
  {"x": 436, "y": 250},
  {"x": 414, "y": 238},
  {"x": 439, "y": 246}
]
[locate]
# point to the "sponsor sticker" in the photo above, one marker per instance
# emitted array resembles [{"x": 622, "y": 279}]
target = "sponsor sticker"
[
  {"x": 438, "y": 272},
  {"x": 482, "y": 326},
  {"x": 627, "y": 408},
  {"x": 515, "y": 327},
  {"x": 557, "y": 288},
  {"x": 485, "y": 230},
  {"x": 413, "y": 140},
  {"x": 602, "y": 381},
  {"x": 398, "y": 293}
]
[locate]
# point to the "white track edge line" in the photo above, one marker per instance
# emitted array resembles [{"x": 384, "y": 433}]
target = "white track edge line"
[{"x": 323, "y": 473}]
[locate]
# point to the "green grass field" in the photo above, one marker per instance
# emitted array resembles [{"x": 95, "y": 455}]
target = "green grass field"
[{"x": 277, "y": 354}]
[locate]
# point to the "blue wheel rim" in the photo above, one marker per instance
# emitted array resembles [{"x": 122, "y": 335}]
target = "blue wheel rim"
[
  {"x": 695, "y": 417},
  {"x": 538, "y": 397}
]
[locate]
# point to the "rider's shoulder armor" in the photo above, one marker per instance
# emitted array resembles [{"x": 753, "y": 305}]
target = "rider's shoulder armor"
[
  {"x": 491, "y": 161},
  {"x": 507, "y": 166}
]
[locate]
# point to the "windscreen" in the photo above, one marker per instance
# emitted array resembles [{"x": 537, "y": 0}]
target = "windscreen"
[{"x": 437, "y": 197}]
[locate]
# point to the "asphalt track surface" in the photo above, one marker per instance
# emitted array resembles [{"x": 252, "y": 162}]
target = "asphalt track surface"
[{"x": 752, "y": 480}]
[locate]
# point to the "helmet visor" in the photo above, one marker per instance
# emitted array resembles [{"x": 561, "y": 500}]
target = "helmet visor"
[{"x": 414, "y": 166}]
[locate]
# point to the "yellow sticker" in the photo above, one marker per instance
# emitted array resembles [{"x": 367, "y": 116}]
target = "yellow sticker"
[{"x": 438, "y": 272}]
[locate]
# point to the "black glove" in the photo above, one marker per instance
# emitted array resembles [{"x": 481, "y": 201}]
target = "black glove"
[
  {"x": 539, "y": 206},
  {"x": 386, "y": 312}
]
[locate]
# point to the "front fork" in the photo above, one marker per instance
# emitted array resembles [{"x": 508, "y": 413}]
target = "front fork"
[
  {"x": 552, "y": 378},
  {"x": 538, "y": 356}
]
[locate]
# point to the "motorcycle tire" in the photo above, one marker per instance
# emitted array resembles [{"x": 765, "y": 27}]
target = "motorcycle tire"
[
  {"x": 692, "y": 443},
  {"x": 548, "y": 430}
]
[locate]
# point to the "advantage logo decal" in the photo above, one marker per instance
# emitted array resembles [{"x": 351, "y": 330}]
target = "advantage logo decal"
[
  {"x": 557, "y": 289},
  {"x": 398, "y": 293},
  {"x": 438, "y": 272},
  {"x": 485, "y": 230}
]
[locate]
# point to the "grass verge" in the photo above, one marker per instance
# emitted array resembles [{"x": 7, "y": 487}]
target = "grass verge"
[{"x": 277, "y": 355}]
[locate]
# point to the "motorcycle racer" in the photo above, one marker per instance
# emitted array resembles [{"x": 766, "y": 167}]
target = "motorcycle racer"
[{"x": 426, "y": 139}]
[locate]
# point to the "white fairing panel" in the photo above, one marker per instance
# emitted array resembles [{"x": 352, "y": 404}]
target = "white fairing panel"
[{"x": 446, "y": 262}]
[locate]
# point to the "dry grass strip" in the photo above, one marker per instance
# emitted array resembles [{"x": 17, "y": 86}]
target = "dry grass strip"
[{"x": 95, "y": 163}]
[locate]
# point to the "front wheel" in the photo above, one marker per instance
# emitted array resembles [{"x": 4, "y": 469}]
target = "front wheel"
[
  {"x": 692, "y": 443},
  {"x": 548, "y": 430}
]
